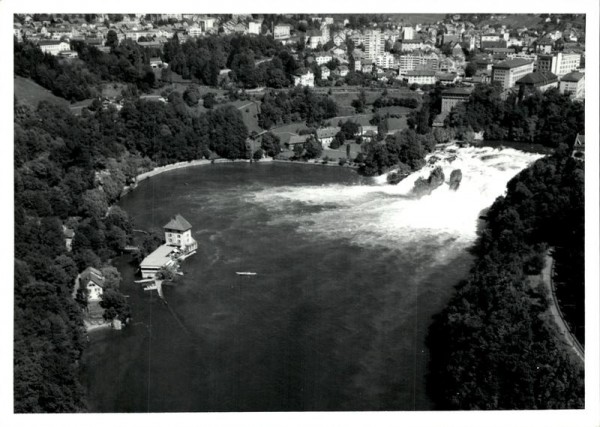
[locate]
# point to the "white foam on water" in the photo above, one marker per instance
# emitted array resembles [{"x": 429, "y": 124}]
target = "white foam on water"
[{"x": 388, "y": 215}]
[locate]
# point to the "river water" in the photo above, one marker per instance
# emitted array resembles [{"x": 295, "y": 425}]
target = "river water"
[{"x": 349, "y": 270}]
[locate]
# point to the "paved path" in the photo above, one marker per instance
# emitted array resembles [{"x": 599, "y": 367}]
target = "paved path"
[{"x": 555, "y": 310}]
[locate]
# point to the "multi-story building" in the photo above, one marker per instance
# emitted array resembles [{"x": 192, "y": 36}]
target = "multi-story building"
[
  {"x": 408, "y": 33},
  {"x": 325, "y": 33},
  {"x": 454, "y": 96},
  {"x": 420, "y": 77},
  {"x": 415, "y": 61},
  {"x": 412, "y": 44},
  {"x": 508, "y": 72},
  {"x": 559, "y": 64},
  {"x": 194, "y": 31},
  {"x": 281, "y": 31},
  {"x": 53, "y": 47},
  {"x": 323, "y": 58},
  {"x": 386, "y": 61},
  {"x": 325, "y": 72},
  {"x": 305, "y": 79},
  {"x": 540, "y": 80},
  {"x": 254, "y": 27},
  {"x": 374, "y": 44},
  {"x": 573, "y": 84},
  {"x": 207, "y": 23}
]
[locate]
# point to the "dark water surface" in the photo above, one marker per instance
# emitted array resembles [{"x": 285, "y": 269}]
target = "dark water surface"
[{"x": 330, "y": 322}]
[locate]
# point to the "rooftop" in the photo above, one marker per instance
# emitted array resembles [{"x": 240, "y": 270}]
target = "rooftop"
[
  {"x": 93, "y": 275},
  {"x": 159, "y": 258},
  {"x": 538, "y": 78},
  {"x": 424, "y": 73},
  {"x": 298, "y": 139},
  {"x": 327, "y": 132},
  {"x": 513, "y": 63},
  {"x": 575, "y": 76},
  {"x": 178, "y": 223},
  {"x": 457, "y": 91}
]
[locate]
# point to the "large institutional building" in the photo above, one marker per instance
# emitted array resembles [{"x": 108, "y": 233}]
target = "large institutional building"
[
  {"x": 559, "y": 64},
  {"x": 508, "y": 72}
]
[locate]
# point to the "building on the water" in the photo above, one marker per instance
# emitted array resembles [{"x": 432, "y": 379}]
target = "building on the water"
[{"x": 179, "y": 241}]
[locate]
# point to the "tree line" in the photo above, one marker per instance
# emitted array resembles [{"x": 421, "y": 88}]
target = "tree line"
[
  {"x": 297, "y": 104},
  {"x": 547, "y": 118}
]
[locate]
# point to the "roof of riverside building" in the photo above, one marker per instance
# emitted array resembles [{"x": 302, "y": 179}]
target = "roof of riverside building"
[{"x": 178, "y": 223}]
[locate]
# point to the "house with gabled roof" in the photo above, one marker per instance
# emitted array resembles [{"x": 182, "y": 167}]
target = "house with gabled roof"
[
  {"x": 178, "y": 232},
  {"x": 579, "y": 148},
  {"x": 92, "y": 280}
]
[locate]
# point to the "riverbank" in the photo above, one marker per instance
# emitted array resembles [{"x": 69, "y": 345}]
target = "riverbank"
[
  {"x": 318, "y": 162},
  {"x": 181, "y": 165}
]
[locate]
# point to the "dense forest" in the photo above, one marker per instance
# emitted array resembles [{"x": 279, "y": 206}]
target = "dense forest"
[
  {"x": 252, "y": 61},
  {"x": 295, "y": 105},
  {"x": 69, "y": 171},
  {"x": 547, "y": 118},
  {"x": 494, "y": 346}
]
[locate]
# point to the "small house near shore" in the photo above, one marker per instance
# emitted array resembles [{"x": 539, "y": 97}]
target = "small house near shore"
[{"x": 92, "y": 280}]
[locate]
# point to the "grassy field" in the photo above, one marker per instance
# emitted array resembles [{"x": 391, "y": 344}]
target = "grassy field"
[
  {"x": 418, "y": 18},
  {"x": 249, "y": 112},
  {"x": 396, "y": 110},
  {"x": 30, "y": 93},
  {"x": 516, "y": 20}
]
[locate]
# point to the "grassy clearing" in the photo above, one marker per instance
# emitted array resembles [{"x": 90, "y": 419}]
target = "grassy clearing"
[
  {"x": 29, "y": 92},
  {"x": 418, "y": 18}
]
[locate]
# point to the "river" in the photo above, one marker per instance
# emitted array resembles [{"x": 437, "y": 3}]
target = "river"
[{"x": 350, "y": 271}]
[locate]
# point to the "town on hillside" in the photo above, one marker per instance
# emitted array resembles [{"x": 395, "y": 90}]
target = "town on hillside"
[{"x": 368, "y": 72}]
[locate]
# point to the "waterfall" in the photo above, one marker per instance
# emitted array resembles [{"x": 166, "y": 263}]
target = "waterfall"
[{"x": 378, "y": 213}]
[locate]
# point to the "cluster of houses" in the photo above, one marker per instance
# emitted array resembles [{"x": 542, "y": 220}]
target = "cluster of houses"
[{"x": 417, "y": 54}]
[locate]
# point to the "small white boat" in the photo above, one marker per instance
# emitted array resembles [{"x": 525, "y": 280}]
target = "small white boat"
[{"x": 245, "y": 273}]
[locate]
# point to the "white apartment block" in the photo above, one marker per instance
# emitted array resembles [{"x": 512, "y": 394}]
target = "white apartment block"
[
  {"x": 420, "y": 77},
  {"x": 508, "y": 72},
  {"x": 573, "y": 84},
  {"x": 559, "y": 64},
  {"x": 281, "y": 31},
  {"x": 374, "y": 44},
  {"x": 53, "y": 47},
  {"x": 408, "y": 33},
  {"x": 386, "y": 61},
  {"x": 414, "y": 62},
  {"x": 254, "y": 27}
]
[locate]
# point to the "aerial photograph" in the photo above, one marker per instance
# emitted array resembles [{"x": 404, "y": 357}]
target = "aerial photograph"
[{"x": 299, "y": 212}]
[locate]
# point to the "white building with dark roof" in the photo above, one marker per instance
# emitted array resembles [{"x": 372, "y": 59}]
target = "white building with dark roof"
[
  {"x": 420, "y": 77},
  {"x": 326, "y": 135},
  {"x": 573, "y": 84},
  {"x": 508, "y": 72},
  {"x": 53, "y": 47},
  {"x": 179, "y": 240},
  {"x": 92, "y": 280},
  {"x": 178, "y": 232}
]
